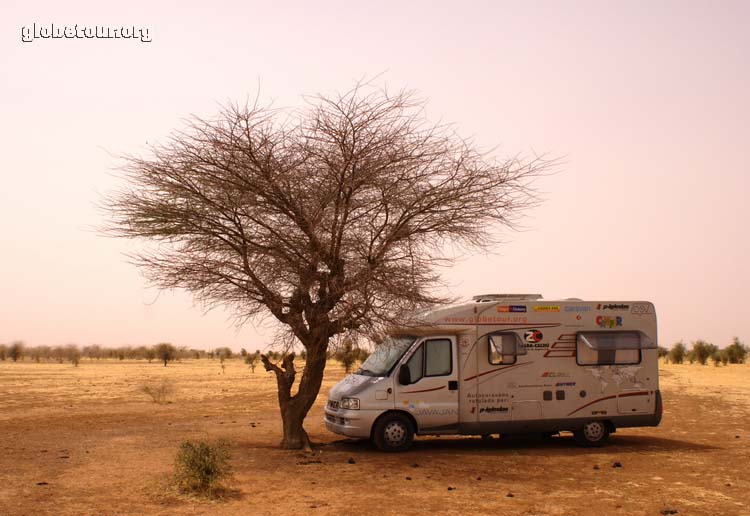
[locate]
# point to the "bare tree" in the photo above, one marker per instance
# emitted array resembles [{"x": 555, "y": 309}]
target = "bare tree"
[
  {"x": 165, "y": 352},
  {"x": 16, "y": 350},
  {"x": 331, "y": 219}
]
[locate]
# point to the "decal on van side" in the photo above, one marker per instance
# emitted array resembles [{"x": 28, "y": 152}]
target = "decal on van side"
[
  {"x": 639, "y": 393},
  {"x": 563, "y": 347},
  {"x": 613, "y": 374}
]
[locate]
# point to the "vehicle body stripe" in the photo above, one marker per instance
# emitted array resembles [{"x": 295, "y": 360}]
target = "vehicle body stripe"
[
  {"x": 639, "y": 393},
  {"x": 423, "y": 390}
]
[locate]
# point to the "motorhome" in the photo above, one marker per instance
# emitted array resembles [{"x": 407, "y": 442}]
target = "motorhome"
[{"x": 506, "y": 364}]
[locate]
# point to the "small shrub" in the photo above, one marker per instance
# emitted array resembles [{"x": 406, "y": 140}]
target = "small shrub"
[
  {"x": 159, "y": 392},
  {"x": 200, "y": 467}
]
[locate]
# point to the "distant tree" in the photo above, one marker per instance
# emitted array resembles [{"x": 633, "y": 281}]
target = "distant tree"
[
  {"x": 72, "y": 354},
  {"x": 165, "y": 352},
  {"x": 703, "y": 351},
  {"x": 346, "y": 355},
  {"x": 3, "y": 352},
  {"x": 34, "y": 353},
  {"x": 16, "y": 350},
  {"x": 150, "y": 354},
  {"x": 251, "y": 359},
  {"x": 243, "y": 352},
  {"x": 677, "y": 353},
  {"x": 662, "y": 352},
  {"x": 333, "y": 221},
  {"x": 736, "y": 352},
  {"x": 716, "y": 357},
  {"x": 93, "y": 351},
  {"x": 223, "y": 353}
]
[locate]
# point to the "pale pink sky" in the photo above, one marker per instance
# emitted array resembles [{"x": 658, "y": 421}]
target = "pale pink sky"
[{"x": 648, "y": 102}]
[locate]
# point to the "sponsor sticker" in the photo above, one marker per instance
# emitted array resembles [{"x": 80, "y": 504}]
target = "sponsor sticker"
[
  {"x": 555, "y": 374},
  {"x": 565, "y": 384},
  {"x": 493, "y": 409},
  {"x": 547, "y": 308},
  {"x": 533, "y": 336},
  {"x": 512, "y": 309},
  {"x": 577, "y": 309},
  {"x": 536, "y": 345},
  {"x": 612, "y": 306},
  {"x": 603, "y": 321}
]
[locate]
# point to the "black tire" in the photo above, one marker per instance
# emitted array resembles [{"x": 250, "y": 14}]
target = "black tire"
[
  {"x": 593, "y": 434},
  {"x": 393, "y": 433}
]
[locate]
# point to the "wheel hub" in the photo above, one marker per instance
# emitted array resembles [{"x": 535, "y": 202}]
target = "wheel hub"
[
  {"x": 395, "y": 433},
  {"x": 593, "y": 431}
]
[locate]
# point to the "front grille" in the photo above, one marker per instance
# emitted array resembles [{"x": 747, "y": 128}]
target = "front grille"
[{"x": 333, "y": 404}]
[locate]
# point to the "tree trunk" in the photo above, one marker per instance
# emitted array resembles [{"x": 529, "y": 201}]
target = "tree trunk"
[{"x": 295, "y": 408}]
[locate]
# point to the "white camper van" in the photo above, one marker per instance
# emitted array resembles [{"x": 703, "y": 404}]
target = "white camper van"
[{"x": 506, "y": 364}]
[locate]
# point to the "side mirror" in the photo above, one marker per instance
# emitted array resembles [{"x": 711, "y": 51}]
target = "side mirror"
[{"x": 404, "y": 375}]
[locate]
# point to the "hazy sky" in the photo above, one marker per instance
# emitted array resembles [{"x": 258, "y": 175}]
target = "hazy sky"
[{"x": 647, "y": 101}]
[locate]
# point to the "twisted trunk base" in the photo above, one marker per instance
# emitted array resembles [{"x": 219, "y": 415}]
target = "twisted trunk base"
[{"x": 294, "y": 409}]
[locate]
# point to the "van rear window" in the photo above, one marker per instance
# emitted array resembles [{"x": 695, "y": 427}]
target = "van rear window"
[{"x": 609, "y": 348}]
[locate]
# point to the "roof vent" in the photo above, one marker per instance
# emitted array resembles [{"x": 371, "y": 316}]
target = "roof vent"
[{"x": 486, "y": 298}]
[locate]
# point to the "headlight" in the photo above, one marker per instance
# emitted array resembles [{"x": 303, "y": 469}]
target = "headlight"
[{"x": 350, "y": 403}]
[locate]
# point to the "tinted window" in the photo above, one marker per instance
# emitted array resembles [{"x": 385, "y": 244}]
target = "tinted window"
[
  {"x": 415, "y": 364},
  {"x": 610, "y": 348},
  {"x": 438, "y": 354},
  {"x": 503, "y": 348},
  {"x": 431, "y": 358}
]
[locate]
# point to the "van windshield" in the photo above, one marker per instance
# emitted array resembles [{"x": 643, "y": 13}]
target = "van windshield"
[{"x": 385, "y": 356}]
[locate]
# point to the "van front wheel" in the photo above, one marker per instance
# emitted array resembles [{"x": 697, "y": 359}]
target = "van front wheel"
[
  {"x": 393, "y": 433},
  {"x": 593, "y": 433}
]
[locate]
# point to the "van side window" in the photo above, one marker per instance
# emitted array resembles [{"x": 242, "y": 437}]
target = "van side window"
[
  {"x": 431, "y": 358},
  {"x": 438, "y": 354},
  {"x": 503, "y": 348},
  {"x": 608, "y": 348},
  {"x": 415, "y": 364}
]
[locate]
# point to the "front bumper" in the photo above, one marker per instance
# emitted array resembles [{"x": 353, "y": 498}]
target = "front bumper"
[{"x": 351, "y": 423}]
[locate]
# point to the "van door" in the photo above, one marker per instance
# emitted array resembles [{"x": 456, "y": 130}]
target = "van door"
[{"x": 431, "y": 394}]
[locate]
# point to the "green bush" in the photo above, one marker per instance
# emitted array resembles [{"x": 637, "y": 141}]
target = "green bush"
[
  {"x": 703, "y": 350},
  {"x": 736, "y": 353},
  {"x": 677, "y": 353},
  {"x": 200, "y": 466}
]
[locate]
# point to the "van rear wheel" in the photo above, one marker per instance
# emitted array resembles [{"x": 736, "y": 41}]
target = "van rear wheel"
[
  {"x": 393, "y": 433},
  {"x": 593, "y": 433}
]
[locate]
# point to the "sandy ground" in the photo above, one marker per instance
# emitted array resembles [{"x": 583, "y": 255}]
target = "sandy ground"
[{"x": 87, "y": 441}]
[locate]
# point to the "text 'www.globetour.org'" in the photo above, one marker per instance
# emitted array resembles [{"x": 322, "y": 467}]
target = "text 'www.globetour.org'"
[{"x": 53, "y": 31}]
